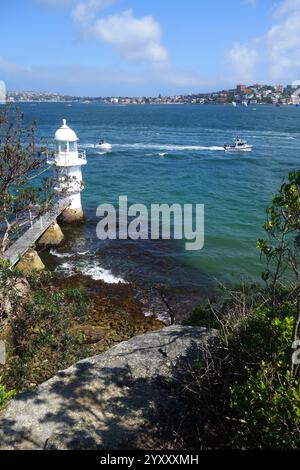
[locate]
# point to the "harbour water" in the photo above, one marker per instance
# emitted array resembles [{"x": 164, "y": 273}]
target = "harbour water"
[{"x": 174, "y": 154}]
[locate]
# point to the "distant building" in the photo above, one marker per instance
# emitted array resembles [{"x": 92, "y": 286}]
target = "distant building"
[
  {"x": 296, "y": 84},
  {"x": 296, "y": 96},
  {"x": 2, "y": 92},
  {"x": 241, "y": 88}
]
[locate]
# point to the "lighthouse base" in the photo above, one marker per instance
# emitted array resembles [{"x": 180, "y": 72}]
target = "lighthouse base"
[{"x": 72, "y": 216}]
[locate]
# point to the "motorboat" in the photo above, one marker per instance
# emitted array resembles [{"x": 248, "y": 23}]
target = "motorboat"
[
  {"x": 103, "y": 145},
  {"x": 239, "y": 145}
]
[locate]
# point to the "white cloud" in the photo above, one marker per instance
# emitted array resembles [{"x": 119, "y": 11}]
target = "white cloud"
[
  {"x": 85, "y": 11},
  {"x": 286, "y": 6},
  {"x": 243, "y": 60},
  {"x": 277, "y": 51},
  {"x": 134, "y": 38},
  {"x": 283, "y": 42},
  {"x": 137, "y": 39}
]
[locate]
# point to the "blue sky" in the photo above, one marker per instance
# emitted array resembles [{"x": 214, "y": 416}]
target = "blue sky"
[{"x": 146, "y": 47}]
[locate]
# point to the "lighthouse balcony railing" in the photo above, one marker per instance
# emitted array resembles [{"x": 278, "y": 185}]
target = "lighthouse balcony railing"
[{"x": 67, "y": 159}]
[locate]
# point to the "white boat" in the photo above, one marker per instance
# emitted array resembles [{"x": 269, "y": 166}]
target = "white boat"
[
  {"x": 239, "y": 145},
  {"x": 234, "y": 104},
  {"x": 245, "y": 104},
  {"x": 103, "y": 145}
]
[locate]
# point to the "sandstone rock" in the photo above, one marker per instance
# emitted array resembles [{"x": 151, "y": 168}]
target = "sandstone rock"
[
  {"x": 52, "y": 237},
  {"x": 92, "y": 334},
  {"x": 15, "y": 290},
  {"x": 70, "y": 216},
  {"x": 103, "y": 402},
  {"x": 30, "y": 262}
]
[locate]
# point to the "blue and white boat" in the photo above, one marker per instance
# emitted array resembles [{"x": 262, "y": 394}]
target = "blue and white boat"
[{"x": 239, "y": 145}]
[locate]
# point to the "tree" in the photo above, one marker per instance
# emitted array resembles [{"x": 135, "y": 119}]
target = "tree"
[
  {"x": 282, "y": 250},
  {"x": 21, "y": 164}
]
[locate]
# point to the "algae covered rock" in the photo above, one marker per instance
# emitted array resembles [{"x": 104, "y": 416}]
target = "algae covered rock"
[
  {"x": 30, "y": 262},
  {"x": 72, "y": 216},
  {"x": 53, "y": 236},
  {"x": 90, "y": 333}
]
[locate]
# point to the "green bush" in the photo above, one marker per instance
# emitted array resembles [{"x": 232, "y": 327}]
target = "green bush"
[
  {"x": 242, "y": 394},
  {"x": 5, "y": 395},
  {"x": 43, "y": 340},
  {"x": 267, "y": 407},
  {"x": 265, "y": 401},
  {"x": 202, "y": 316}
]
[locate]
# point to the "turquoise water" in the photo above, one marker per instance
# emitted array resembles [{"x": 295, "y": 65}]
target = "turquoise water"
[{"x": 169, "y": 154}]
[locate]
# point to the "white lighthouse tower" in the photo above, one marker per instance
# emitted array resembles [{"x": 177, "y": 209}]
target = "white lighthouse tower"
[{"x": 69, "y": 161}]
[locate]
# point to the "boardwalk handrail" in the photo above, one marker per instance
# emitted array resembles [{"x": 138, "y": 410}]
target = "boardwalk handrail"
[{"x": 20, "y": 246}]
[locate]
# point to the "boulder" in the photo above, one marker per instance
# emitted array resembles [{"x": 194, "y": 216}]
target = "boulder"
[
  {"x": 52, "y": 237},
  {"x": 106, "y": 401},
  {"x": 72, "y": 216},
  {"x": 30, "y": 262},
  {"x": 14, "y": 292}
]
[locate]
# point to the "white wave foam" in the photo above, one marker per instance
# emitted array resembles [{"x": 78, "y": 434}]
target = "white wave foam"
[
  {"x": 97, "y": 273},
  {"x": 60, "y": 255},
  {"x": 148, "y": 314},
  {"x": 162, "y": 316},
  {"x": 66, "y": 267}
]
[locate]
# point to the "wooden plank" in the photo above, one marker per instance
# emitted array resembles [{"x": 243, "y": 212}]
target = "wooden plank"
[{"x": 17, "y": 249}]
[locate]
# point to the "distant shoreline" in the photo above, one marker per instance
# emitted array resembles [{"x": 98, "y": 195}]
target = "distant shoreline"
[{"x": 118, "y": 105}]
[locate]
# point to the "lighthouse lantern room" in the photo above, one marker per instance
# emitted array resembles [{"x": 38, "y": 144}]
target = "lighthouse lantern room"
[{"x": 69, "y": 161}]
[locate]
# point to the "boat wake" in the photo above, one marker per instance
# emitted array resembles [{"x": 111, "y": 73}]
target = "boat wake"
[
  {"x": 162, "y": 147},
  {"x": 167, "y": 147}
]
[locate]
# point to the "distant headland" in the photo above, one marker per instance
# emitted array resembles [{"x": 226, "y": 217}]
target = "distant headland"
[{"x": 252, "y": 94}]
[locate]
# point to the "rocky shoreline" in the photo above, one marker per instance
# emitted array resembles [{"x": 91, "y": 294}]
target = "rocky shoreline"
[{"x": 115, "y": 314}]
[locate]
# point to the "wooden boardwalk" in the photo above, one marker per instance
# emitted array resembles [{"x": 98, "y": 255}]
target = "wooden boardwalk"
[{"x": 17, "y": 249}]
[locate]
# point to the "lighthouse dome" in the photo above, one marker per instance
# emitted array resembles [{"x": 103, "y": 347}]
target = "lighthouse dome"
[{"x": 65, "y": 133}]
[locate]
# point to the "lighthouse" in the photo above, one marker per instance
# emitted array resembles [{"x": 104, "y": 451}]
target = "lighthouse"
[{"x": 69, "y": 161}]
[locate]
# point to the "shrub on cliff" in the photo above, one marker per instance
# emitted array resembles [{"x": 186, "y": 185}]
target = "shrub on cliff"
[
  {"x": 5, "y": 395},
  {"x": 39, "y": 338},
  {"x": 245, "y": 393}
]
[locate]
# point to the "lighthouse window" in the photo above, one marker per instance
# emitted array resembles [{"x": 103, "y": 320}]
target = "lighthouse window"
[
  {"x": 64, "y": 146},
  {"x": 72, "y": 146}
]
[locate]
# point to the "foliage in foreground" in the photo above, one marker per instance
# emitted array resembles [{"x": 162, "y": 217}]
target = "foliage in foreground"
[
  {"x": 5, "y": 395},
  {"x": 242, "y": 393},
  {"x": 246, "y": 392},
  {"x": 40, "y": 339}
]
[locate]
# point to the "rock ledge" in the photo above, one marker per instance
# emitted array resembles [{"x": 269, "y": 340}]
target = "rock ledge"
[{"x": 102, "y": 402}]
